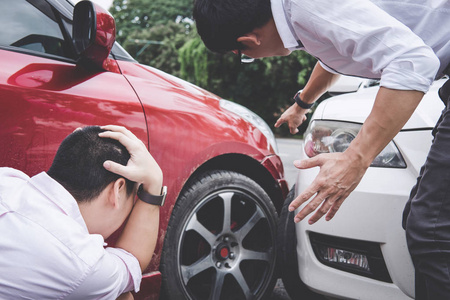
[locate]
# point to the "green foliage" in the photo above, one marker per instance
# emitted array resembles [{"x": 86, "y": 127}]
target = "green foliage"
[
  {"x": 132, "y": 15},
  {"x": 158, "y": 46},
  {"x": 265, "y": 86},
  {"x": 194, "y": 62},
  {"x": 148, "y": 30}
]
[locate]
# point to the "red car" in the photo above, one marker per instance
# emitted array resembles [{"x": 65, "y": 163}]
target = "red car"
[{"x": 61, "y": 69}]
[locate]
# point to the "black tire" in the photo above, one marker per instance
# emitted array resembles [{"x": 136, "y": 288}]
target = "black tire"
[
  {"x": 205, "y": 256},
  {"x": 287, "y": 255}
]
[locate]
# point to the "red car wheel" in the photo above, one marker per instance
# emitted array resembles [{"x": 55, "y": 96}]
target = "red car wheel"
[{"x": 221, "y": 240}]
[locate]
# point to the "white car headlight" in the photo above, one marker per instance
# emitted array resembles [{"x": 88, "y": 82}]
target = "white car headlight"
[
  {"x": 253, "y": 118},
  {"x": 334, "y": 136}
]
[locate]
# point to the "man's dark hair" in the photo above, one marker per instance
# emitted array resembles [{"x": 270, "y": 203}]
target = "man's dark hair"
[
  {"x": 78, "y": 163},
  {"x": 221, "y": 22}
]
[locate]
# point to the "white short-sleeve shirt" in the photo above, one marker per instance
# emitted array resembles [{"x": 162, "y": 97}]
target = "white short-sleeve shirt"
[
  {"x": 46, "y": 251},
  {"x": 405, "y": 43}
]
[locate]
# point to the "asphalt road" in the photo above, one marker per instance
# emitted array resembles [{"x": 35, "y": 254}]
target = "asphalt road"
[
  {"x": 279, "y": 293},
  {"x": 288, "y": 150}
]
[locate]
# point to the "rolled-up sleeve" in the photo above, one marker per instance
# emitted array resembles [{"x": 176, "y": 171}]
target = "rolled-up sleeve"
[
  {"x": 413, "y": 70},
  {"x": 115, "y": 273}
]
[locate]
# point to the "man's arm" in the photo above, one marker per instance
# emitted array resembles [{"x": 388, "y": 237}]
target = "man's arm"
[
  {"x": 141, "y": 230},
  {"x": 319, "y": 82},
  {"x": 340, "y": 173},
  {"x": 126, "y": 296}
]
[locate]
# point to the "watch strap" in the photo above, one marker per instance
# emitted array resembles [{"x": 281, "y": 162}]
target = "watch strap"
[
  {"x": 152, "y": 199},
  {"x": 300, "y": 102}
]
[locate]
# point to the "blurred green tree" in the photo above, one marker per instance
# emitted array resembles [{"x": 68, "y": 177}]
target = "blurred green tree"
[
  {"x": 159, "y": 45},
  {"x": 132, "y": 15},
  {"x": 265, "y": 86}
]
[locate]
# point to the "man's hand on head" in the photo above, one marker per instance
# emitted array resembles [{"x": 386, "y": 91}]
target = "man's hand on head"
[
  {"x": 141, "y": 230},
  {"x": 141, "y": 167}
]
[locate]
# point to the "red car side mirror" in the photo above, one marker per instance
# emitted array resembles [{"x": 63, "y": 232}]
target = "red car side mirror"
[{"x": 94, "y": 32}]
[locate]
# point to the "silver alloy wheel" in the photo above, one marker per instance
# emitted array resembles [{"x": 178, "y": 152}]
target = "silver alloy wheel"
[{"x": 226, "y": 250}]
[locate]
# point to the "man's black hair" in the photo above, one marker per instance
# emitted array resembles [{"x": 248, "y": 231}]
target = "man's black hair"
[
  {"x": 78, "y": 163},
  {"x": 221, "y": 22}
]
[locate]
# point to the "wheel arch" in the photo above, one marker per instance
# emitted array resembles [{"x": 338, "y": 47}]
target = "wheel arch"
[{"x": 247, "y": 166}]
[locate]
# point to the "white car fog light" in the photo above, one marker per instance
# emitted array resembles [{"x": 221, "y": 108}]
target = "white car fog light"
[
  {"x": 344, "y": 257},
  {"x": 353, "y": 256}
]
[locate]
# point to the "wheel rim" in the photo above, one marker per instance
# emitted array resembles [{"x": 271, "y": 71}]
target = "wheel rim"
[{"x": 227, "y": 247}]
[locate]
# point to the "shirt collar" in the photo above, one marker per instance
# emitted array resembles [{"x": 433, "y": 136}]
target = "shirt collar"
[
  {"x": 56, "y": 193},
  {"x": 281, "y": 22}
]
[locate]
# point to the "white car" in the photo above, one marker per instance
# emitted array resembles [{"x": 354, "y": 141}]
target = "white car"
[{"x": 361, "y": 253}]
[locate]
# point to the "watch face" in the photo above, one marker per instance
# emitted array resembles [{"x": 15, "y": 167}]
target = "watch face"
[{"x": 163, "y": 194}]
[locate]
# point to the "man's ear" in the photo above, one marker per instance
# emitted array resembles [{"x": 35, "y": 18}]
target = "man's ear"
[
  {"x": 118, "y": 192},
  {"x": 250, "y": 39}
]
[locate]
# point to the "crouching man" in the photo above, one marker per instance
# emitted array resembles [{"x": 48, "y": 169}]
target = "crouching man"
[{"x": 53, "y": 225}]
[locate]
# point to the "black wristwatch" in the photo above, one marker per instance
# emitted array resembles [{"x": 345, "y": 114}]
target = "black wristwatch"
[
  {"x": 152, "y": 199},
  {"x": 300, "y": 102}
]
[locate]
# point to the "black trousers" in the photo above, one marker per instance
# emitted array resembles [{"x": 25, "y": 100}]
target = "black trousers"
[{"x": 426, "y": 217}]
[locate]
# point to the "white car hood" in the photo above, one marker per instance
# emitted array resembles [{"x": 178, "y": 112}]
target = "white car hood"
[{"x": 355, "y": 107}]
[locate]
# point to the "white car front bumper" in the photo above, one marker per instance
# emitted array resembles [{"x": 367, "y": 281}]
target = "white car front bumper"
[{"x": 372, "y": 213}]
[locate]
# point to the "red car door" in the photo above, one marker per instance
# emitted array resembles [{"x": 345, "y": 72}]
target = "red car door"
[{"x": 45, "y": 95}]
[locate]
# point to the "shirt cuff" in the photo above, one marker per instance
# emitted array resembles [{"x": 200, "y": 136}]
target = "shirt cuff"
[
  {"x": 411, "y": 73},
  {"x": 401, "y": 79},
  {"x": 132, "y": 264}
]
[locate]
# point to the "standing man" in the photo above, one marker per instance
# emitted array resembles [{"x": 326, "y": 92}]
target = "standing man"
[
  {"x": 53, "y": 225},
  {"x": 405, "y": 44}
]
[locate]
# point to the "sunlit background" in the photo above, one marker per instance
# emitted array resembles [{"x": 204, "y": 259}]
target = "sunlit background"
[{"x": 104, "y": 3}]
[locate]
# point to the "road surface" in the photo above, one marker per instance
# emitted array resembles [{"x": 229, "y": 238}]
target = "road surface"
[{"x": 288, "y": 150}]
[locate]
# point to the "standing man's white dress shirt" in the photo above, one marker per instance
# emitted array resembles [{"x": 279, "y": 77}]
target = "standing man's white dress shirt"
[
  {"x": 405, "y": 44},
  {"x": 46, "y": 251},
  {"x": 357, "y": 44}
]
